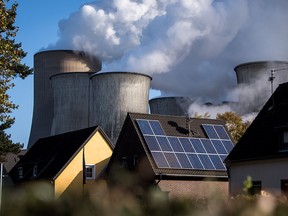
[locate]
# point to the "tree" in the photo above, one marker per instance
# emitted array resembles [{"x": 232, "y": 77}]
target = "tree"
[
  {"x": 11, "y": 67},
  {"x": 235, "y": 124}
]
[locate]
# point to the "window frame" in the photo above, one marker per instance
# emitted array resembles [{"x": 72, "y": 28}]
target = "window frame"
[
  {"x": 283, "y": 141},
  {"x": 93, "y": 167},
  {"x": 20, "y": 172}
]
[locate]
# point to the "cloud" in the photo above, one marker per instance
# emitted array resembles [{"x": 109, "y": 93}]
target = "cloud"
[{"x": 189, "y": 47}]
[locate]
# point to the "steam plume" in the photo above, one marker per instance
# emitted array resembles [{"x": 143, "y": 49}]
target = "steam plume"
[{"x": 189, "y": 47}]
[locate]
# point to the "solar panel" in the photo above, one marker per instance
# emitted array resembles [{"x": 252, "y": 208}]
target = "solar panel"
[
  {"x": 164, "y": 144},
  {"x": 172, "y": 160},
  {"x": 210, "y": 131},
  {"x": 160, "y": 159},
  {"x": 156, "y": 127},
  {"x": 185, "y": 152},
  {"x": 221, "y": 132},
  {"x": 175, "y": 144},
  {"x": 145, "y": 127},
  {"x": 183, "y": 160}
]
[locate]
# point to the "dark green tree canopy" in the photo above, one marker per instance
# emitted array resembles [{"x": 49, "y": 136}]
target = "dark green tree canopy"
[{"x": 11, "y": 67}]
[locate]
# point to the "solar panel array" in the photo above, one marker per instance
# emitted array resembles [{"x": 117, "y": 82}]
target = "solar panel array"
[{"x": 187, "y": 152}]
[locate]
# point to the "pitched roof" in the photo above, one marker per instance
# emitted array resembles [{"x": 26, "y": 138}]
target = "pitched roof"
[
  {"x": 175, "y": 126},
  {"x": 51, "y": 154},
  {"x": 261, "y": 140},
  {"x": 11, "y": 159}
]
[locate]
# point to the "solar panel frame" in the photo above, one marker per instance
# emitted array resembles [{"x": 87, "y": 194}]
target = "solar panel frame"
[{"x": 185, "y": 152}]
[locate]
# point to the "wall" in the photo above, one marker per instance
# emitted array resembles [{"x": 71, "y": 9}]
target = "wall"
[
  {"x": 98, "y": 152},
  {"x": 192, "y": 188},
  {"x": 269, "y": 172}
]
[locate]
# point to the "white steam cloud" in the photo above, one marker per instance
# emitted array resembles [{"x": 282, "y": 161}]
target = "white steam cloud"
[{"x": 190, "y": 48}]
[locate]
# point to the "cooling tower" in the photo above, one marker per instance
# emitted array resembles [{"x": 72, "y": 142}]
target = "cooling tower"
[
  {"x": 254, "y": 86},
  {"x": 71, "y": 102},
  {"x": 177, "y": 106},
  {"x": 113, "y": 95},
  {"x": 46, "y": 64},
  {"x": 250, "y": 72}
]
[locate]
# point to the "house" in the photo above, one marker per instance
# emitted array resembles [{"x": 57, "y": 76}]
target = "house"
[
  {"x": 262, "y": 152},
  {"x": 60, "y": 160},
  {"x": 181, "y": 156},
  {"x": 10, "y": 160}
]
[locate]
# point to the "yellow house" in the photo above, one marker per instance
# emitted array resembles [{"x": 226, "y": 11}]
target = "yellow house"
[{"x": 69, "y": 162}]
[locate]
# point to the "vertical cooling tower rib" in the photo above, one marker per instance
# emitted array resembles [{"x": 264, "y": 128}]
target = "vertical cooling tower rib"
[
  {"x": 113, "y": 95},
  {"x": 177, "y": 106},
  {"x": 46, "y": 64},
  {"x": 71, "y": 102}
]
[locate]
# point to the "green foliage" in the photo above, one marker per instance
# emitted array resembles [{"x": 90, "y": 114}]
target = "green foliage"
[
  {"x": 247, "y": 184},
  {"x": 11, "y": 67},
  {"x": 235, "y": 124},
  {"x": 37, "y": 200}
]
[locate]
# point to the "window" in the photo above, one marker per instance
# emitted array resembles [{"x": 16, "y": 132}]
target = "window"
[
  {"x": 124, "y": 162},
  {"x": 284, "y": 187},
  {"x": 34, "y": 171},
  {"x": 256, "y": 188},
  {"x": 135, "y": 160},
  {"x": 20, "y": 172},
  {"x": 284, "y": 142},
  {"x": 90, "y": 171}
]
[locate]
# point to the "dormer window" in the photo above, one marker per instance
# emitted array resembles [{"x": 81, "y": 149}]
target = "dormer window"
[{"x": 284, "y": 142}]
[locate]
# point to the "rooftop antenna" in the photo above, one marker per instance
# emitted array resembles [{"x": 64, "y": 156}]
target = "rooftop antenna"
[{"x": 271, "y": 79}]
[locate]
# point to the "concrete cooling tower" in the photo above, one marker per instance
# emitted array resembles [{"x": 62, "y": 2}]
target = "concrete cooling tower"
[
  {"x": 46, "y": 64},
  {"x": 177, "y": 106},
  {"x": 247, "y": 73},
  {"x": 253, "y": 80},
  {"x": 113, "y": 95},
  {"x": 71, "y": 101}
]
